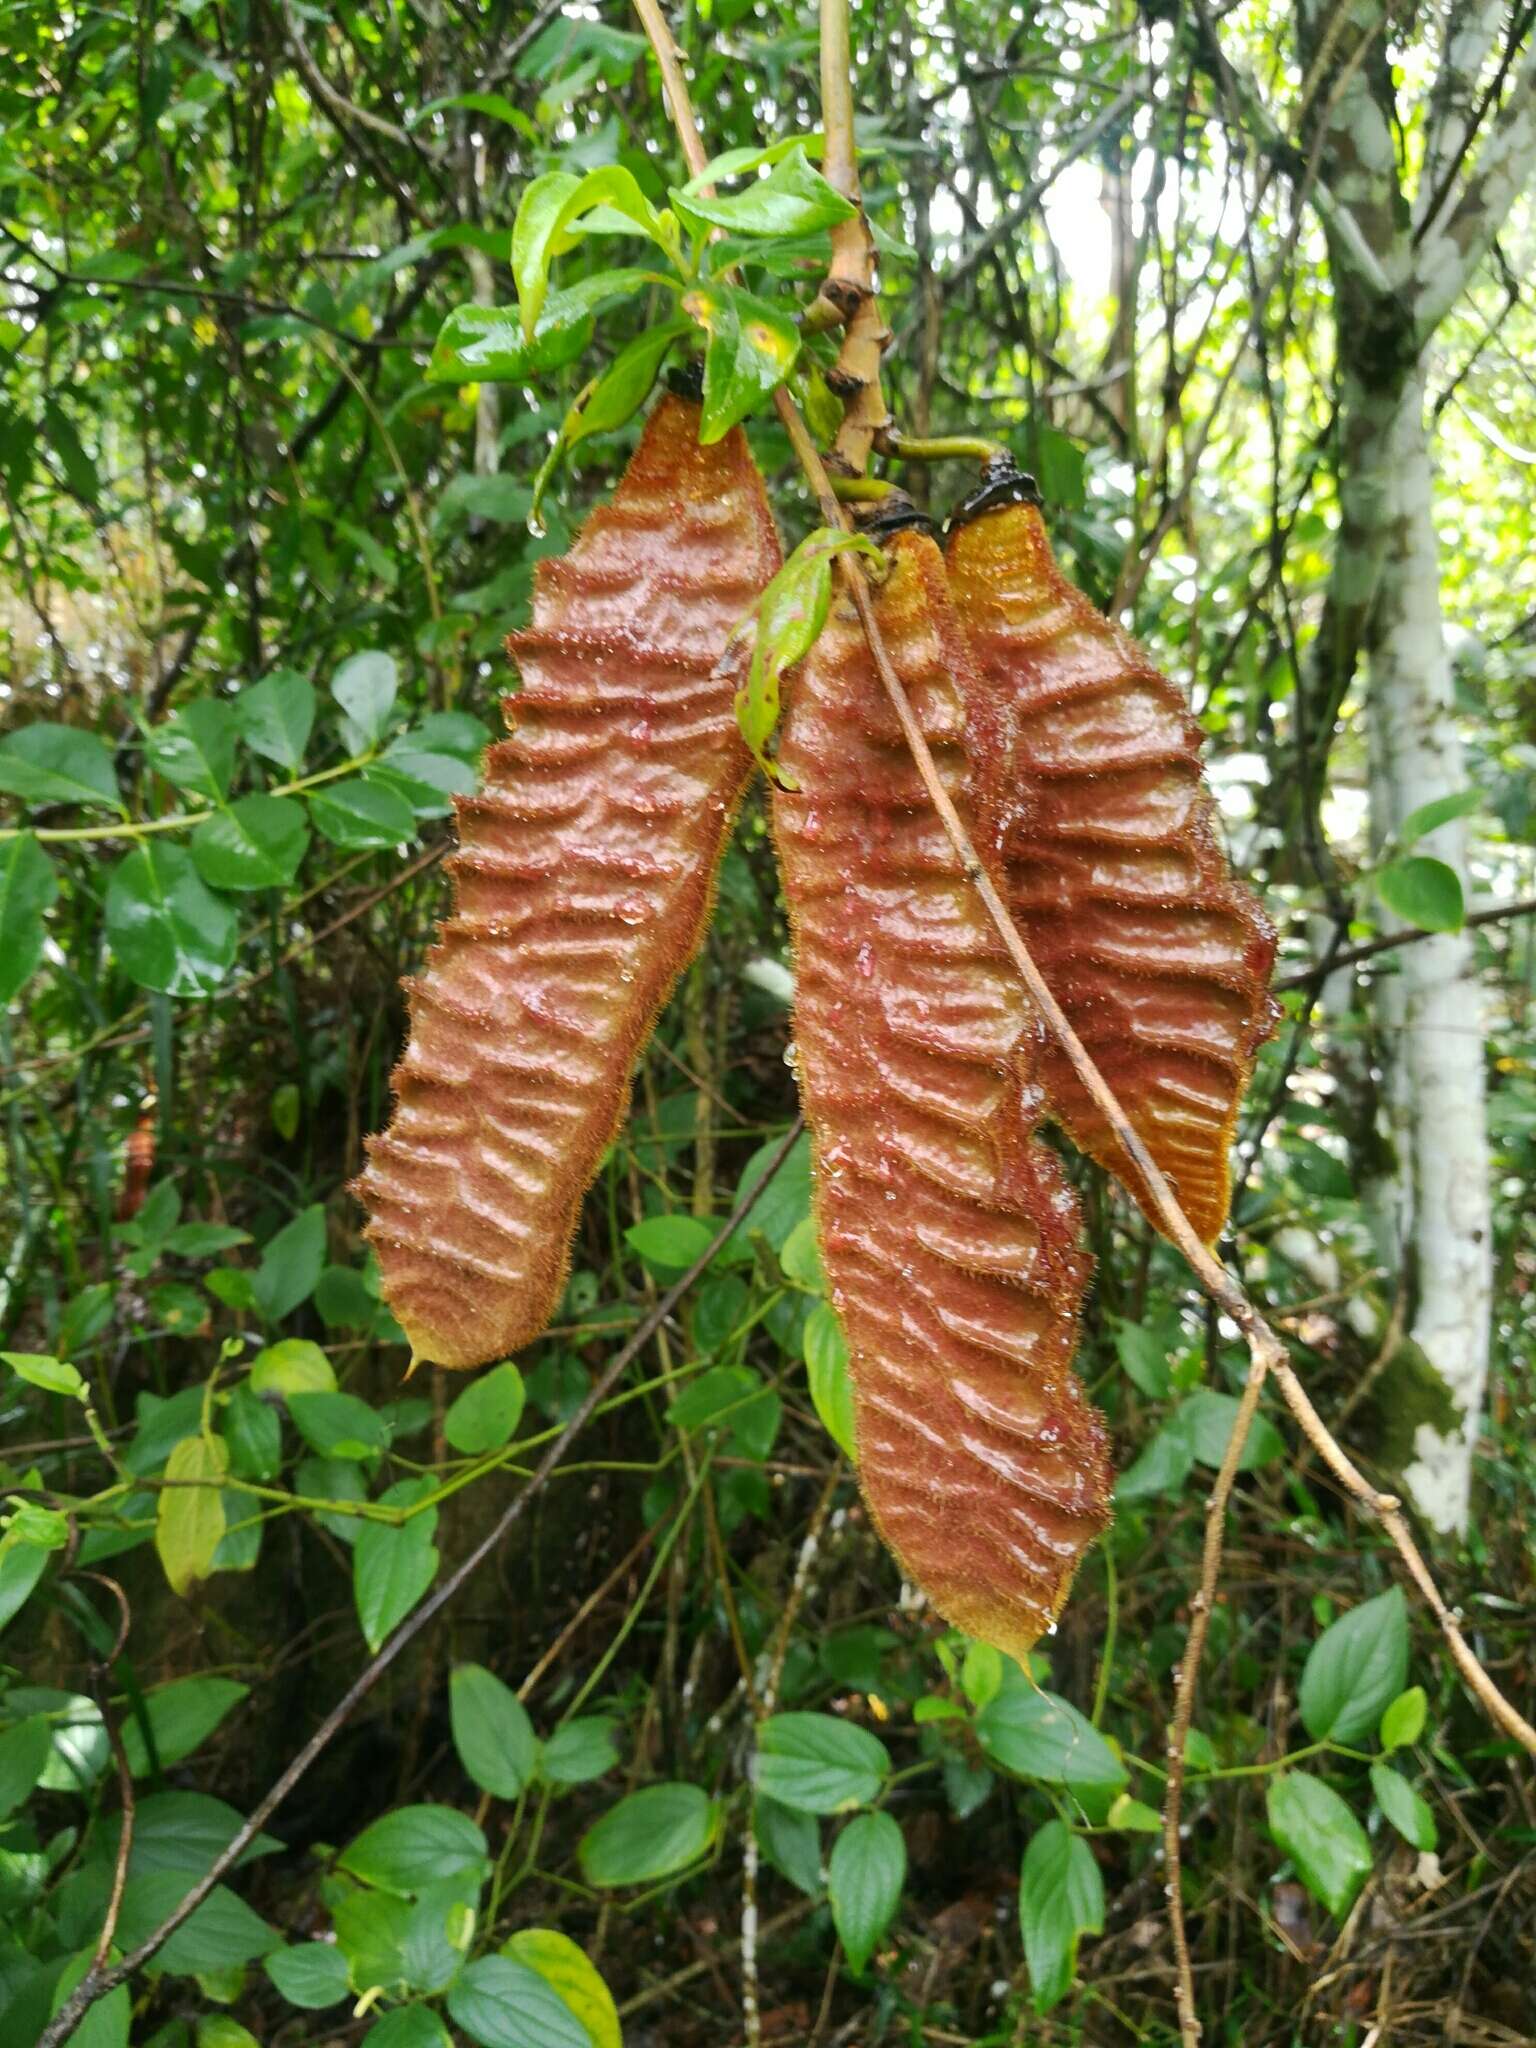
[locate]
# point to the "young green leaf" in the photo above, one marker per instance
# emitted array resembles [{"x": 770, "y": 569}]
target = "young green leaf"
[
  {"x": 865, "y": 1875},
  {"x": 1408, "y": 1812},
  {"x": 751, "y": 349},
  {"x": 487, "y": 344},
  {"x": 167, "y": 928},
  {"x": 53, "y": 1375},
  {"x": 1403, "y": 1721},
  {"x": 257, "y": 843},
  {"x": 58, "y": 764},
  {"x": 181, "y": 1717},
  {"x": 189, "y": 1517},
  {"x": 784, "y": 627},
  {"x": 1355, "y": 1669},
  {"x": 361, "y": 815},
  {"x": 366, "y": 687},
  {"x": 826, "y": 1370},
  {"x": 196, "y": 748},
  {"x": 491, "y": 1731},
  {"x": 312, "y": 1976},
  {"x": 548, "y": 220},
  {"x": 1438, "y": 811},
  {"x": 579, "y": 1751},
  {"x": 1061, "y": 1898},
  {"x": 816, "y": 1763},
  {"x": 484, "y": 1416},
  {"x": 1423, "y": 892},
  {"x": 571, "y": 1976},
  {"x": 794, "y": 199},
  {"x": 1037, "y": 1734},
  {"x": 503, "y": 2004},
  {"x": 609, "y": 399},
  {"x": 275, "y": 717},
  {"x": 393, "y": 1565},
  {"x": 28, "y": 888},
  {"x": 650, "y": 1834},
  {"x": 1321, "y": 1836}
]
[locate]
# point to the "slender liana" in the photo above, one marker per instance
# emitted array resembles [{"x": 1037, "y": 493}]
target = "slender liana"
[
  {"x": 949, "y": 1233},
  {"x": 583, "y": 881},
  {"x": 1095, "y": 811}
]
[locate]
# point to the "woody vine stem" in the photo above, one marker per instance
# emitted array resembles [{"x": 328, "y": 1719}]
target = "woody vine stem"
[{"x": 849, "y": 293}]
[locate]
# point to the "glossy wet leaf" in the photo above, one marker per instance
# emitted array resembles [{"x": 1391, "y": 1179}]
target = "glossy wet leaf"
[
  {"x": 43, "y": 763},
  {"x": 794, "y": 199},
  {"x": 167, "y": 927},
  {"x": 28, "y": 888},
  {"x": 651, "y": 1834},
  {"x": 1423, "y": 892},
  {"x": 1322, "y": 1837},
  {"x": 275, "y": 717},
  {"x": 751, "y": 349},
  {"x": 259, "y": 842}
]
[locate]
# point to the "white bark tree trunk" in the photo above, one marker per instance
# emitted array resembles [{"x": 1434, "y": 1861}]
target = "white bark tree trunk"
[{"x": 1435, "y": 1214}]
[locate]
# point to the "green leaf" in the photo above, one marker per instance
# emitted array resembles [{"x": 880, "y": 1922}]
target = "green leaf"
[
  {"x": 1210, "y": 1419},
  {"x": 981, "y": 1674},
  {"x": 195, "y": 749},
  {"x": 787, "y": 1198},
  {"x": 361, "y": 815},
  {"x": 581, "y": 1750},
  {"x": 107, "y": 2023},
  {"x": 392, "y": 1567},
  {"x": 312, "y": 1976},
  {"x": 1133, "y": 1817},
  {"x": 181, "y": 1716},
  {"x": 218, "y": 2030},
  {"x": 801, "y": 1257},
  {"x": 504, "y": 2004},
  {"x": 183, "y": 1830},
  {"x": 1438, "y": 811},
  {"x": 1355, "y": 1670},
  {"x": 1164, "y": 1464},
  {"x": 53, "y": 1375},
  {"x": 24, "y": 1750},
  {"x": 291, "y": 1264},
  {"x": 794, "y": 199},
  {"x": 339, "y": 1425},
  {"x": 1403, "y": 1722},
  {"x": 486, "y": 344},
  {"x": 414, "y": 1846},
  {"x": 1038, "y": 1735},
  {"x": 366, "y": 687},
  {"x": 485, "y": 1415},
  {"x": 572, "y": 1977},
  {"x": 867, "y": 1870},
  {"x": 545, "y": 217},
  {"x": 295, "y": 1366},
  {"x": 791, "y": 1841},
  {"x": 257, "y": 843},
  {"x": 785, "y": 625},
  {"x": 1321, "y": 1836},
  {"x": 609, "y": 400},
  {"x": 752, "y": 348},
  {"x": 28, "y": 888},
  {"x": 275, "y": 717},
  {"x": 1408, "y": 1812},
  {"x": 189, "y": 1517},
  {"x": 1144, "y": 1354},
  {"x": 651, "y": 1834},
  {"x": 21, "y": 1566},
  {"x": 671, "y": 1243},
  {"x": 1423, "y": 892},
  {"x": 1061, "y": 1898},
  {"x": 826, "y": 1369},
  {"x": 220, "y": 1934},
  {"x": 58, "y": 764},
  {"x": 408, "y": 2026},
  {"x": 170, "y": 932},
  {"x": 491, "y": 1731},
  {"x": 818, "y": 1764}
]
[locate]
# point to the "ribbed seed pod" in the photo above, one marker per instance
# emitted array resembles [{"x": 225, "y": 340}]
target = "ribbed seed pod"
[
  {"x": 1096, "y": 813},
  {"x": 948, "y": 1232},
  {"x": 582, "y": 884}
]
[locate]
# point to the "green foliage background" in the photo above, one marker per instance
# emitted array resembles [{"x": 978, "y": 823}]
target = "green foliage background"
[{"x": 258, "y": 565}]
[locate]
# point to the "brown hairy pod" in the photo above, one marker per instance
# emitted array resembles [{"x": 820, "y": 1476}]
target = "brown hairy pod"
[
  {"x": 948, "y": 1231},
  {"x": 584, "y": 878},
  {"x": 1097, "y": 820}
]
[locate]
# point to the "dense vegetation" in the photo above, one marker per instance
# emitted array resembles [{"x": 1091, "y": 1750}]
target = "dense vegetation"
[{"x": 681, "y": 1733}]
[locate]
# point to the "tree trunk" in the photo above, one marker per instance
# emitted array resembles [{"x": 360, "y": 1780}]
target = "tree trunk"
[{"x": 1430, "y": 1202}]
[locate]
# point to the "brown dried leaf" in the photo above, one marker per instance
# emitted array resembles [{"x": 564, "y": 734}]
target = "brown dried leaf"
[
  {"x": 949, "y": 1233},
  {"x": 1095, "y": 811},
  {"x": 583, "y": 881}
]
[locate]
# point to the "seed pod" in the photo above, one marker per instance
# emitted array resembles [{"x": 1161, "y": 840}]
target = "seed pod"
[
  {"x": 948, "y": 1232},
  {"x": 1095, "y": 811},
  {"x": 583, "y": 881}
]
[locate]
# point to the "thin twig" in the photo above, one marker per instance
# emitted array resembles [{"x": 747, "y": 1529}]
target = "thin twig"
[
  {"x": 1494, "y": 913},
  {"x": 97, "y": 1982}
]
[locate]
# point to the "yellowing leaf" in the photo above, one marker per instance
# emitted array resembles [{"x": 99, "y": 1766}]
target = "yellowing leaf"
[{"x": 189, "y": 1521}]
